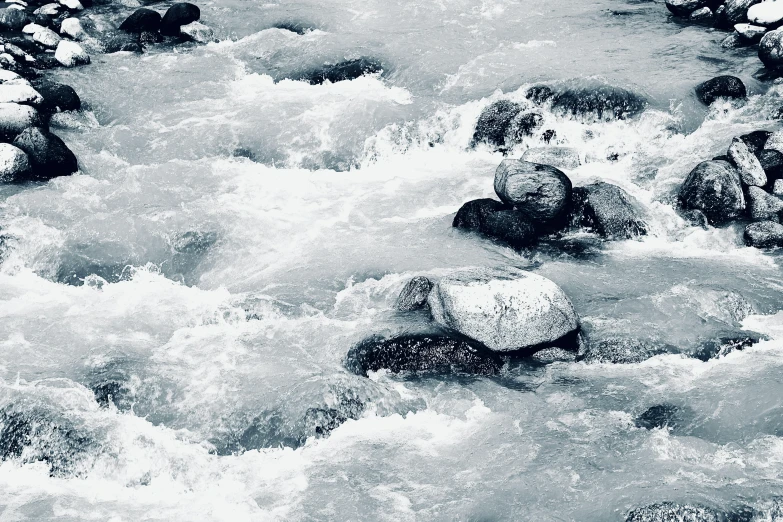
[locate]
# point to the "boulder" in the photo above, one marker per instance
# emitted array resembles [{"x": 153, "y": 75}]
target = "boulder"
[
  {"x": 509, "y": 226},
  {"x": 341, "y": 71},
  {"x": 523, "y": 125},
  {"x": 540, "y": 94},
  {"x": 560, "y": 157},
  {"x": 764, "y": 206},
  {"x": 733, "y": 41},
  {"x": 756, "y": 140},
  {"x": 716, "y": 348},
  {"x": 142, "y": 21},
  {"x": 619, "y": 351},
  {"x": 71, "y": 54},
  {"x": 735, "y": 12},
  {"x": 660, "y": 416},
  {"x": 494, "y": 123},
  {"x": 504, "y": 310},
  {"x": 179, "y": 14},
  {"x": 197, "y": 32},
  {"x": 541, "y": 192},
  {"x": 13, "y": 19},
  {"x": 7, "y": 76},
  {"x": 52, "y": 9},
  {"x": 764, "y": 234},
  {"x": 15, "y": 118},
  {"x": 117, "y": 41},
  {"x": 767, "y": 13},
  {"x": 24, "y": 94},
  {"x": 721, "y": 87},
  {"x": 472, "y": 214},
  {"x": 684, "y": 8},
  {"x": 771, "y": 49},
  {"x": 47, "y": 38},
  {"x": 58, "y": 97},
  {"x": 714, "y": 188},
  {"x": 421, "y": 353},
  {"x": 607, "y": 210},
  {"x": 601, "y": 103},
  {"x": 14, "y": 166},
  {"x": 414, "y": 295},
  {"x": 49, "y": 156},
  {"x": 748, "y": 165},
  {"x": 750, "y": 33},
  {"x": 72, "y": 27}
]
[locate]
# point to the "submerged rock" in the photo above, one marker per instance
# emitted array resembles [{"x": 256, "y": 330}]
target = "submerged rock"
[
  {"x": 748, "y": 165},
  {"x": 771, "y": 49},
  {"x": 559, "y": 157},
  {"x": 541, "y": 192},
  {"x": 598, "y": 103},
  {"x": 539, "y": 94},
  {"x": 721, "y": 87},
  {"x": 338, "y": 72},
  {"x": 49, "y": 156},
  {"x": 660, "y": 416},
  {"x": 197, "y": 32},
  {"x": 494, "y": 123},
  {"x": 607, "y": 210},
  {"x": 523, "y": 125},
  {"x": 414, "y": 295},
  {"x": 764, "y": 206},
  {"x": 505, "y": 311},
  {"x": 671, "y": 512},
  {"x": 179, "y": 14},
  {"x": 422, "y": 353},
  {"x": 764, "y": 234},
  {"x": 619, "y": 351},
  {"x": 142, "y": 21},
  {"x": 716, "y": 348},
  {"x": 714, "y": 188}
]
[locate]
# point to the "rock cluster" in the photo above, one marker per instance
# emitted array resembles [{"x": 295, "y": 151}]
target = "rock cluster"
[{"x": 180, "y": 20}]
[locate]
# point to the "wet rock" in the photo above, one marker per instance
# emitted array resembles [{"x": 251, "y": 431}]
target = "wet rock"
[
  {"x": 735, "y": 12},
  {"x": 771, "y": 49},
  {"x": 422, "y": 353},
  {"x": 717, "y": 348},
  {"x": 494, "y": 123},
  {"x": 504, "y": 310},
  {"x": 473, "y": 213},
  {"x": 768, "y": 13},
  {"x": 541, "y": 192},
  {"x": 141, "y": 21},
  {"x": 777, "y": 188},
  {"x": 71, "y": 54},
  {"x": 775, "y": 142},
  {"x": 51, "y": 9},
  {"x": 47, "y": 38},
  {"x": 733, "y": 41},
  {"x": 72, "y": 5},
  {"x": 764, "y": 206},
  {"x": 509, "y": 226},
  {"x": 197, "y": 32},
  {"x": 660, "y": 416},
  {"x": 539, "y": 94},
  {"x": 414, "y": 295},
  {"x": 194, "y": 242},
  {"x": 749, "y": 33},
  {"x": 671, "y": 512},
  {"x": 14, "y": 165},
  {"x": 714, "y": 188},
  {"x": 619, "y": 351},
  {"x": 748, "y": 166},
  {"x": 179, "y": 14},
  {"x": 721, "y": 87},
  {"x": 548, "y": 135},
  {"x": 702, "y": 15},
  {"x": 772, "y": 163},
  {"x": 764, "y": 234},
  {"x": 756, "y": 140},
  {"x": 300, "y": 28},
  {"x": 684, "y": 8},
  {"x": 523, "y": 125},
  {"x": 13, "y": 19},
  {"x": 15, "y": 118},
  {"x": 72, "y": 27},
  {"x": 338, "y": 72},
  {"x": 48, "y": 154},
  {"x": 598, "y": 103},
  {"x": 23, "y": 94},
  {"x": 58, "y": 97},
  {"x": 34, "y": 434},
  {"x": 553, "y": 355},
  {"x": 117, "y": 41},
  {"x": 696, "y": 218},
  {"x": 607, "y": 210},
  {"x": 560, "y": 157}
]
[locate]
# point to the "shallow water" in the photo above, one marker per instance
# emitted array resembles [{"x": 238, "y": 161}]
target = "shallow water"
[{"x": 232, "y": 234}]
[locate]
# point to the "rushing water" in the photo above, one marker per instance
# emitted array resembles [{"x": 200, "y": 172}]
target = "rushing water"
[{"x": 232, "y": 234}]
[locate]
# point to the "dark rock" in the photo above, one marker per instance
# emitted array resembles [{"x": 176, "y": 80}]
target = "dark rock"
[
  {"x": 422, "y": 353},
  {"x": 764, "y": 234},
  {"x": 178, "y": 15},
  {"x": 735, "y": 12},
  {"x": 671, "y": 512},
  {"x": 49, "y": 156},
  {"x": 548, "y": 135},
  {"x": 541, "y": 192},
  {"x": 57, "y": 97},
  {"x": 772, "y": 163},
  {"x": 756, "y": 140},
  {"x": 660, "y": 416},
  {"x": 522, "y": 125},
  {"x": 684, "y": 8},
  {"x": 116, "y": 41},
  {"x": 696, "y": 218},
  {"x": 601, "y": 102},
  {"x": 539, "y": 94},
  {"x": 771, "y": 49},
  {"x": 299, "y": 28},
  {"x": 141, "y": 21},
  {"x": 722, "y": 157},
  {"x": 194, "y": 242},
  {"x": 338, "y": 72},
  {"x": 619, "y": 351},
  {"x": 607, "y": 210},
  {"x": 472, "y": 214},
  {"x": 35, "y": 434},
  {"x": 414, "y": 295},
  {"x": 713, "y": 187},
  {"x": 494, "y": 123},
  {"x": 716, "y": 348},
  {"x": 13, "y": 19},
  {"x": 764, "y": 206},
  {"x": 509, "y": 226},
  {"x": 721, "y": 87}
]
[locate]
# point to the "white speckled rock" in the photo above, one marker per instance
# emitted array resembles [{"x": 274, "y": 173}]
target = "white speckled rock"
[
  {"x": 197, "y": 32},
  {"x": 73, "y": 5},
  {"x": 771, "y": 49},
  {"x": 52, "y": 9},
  {"x": 72, "y": 27},
  {"x": 14, "y": 164},
  {"x": 15, "y": 118},
  {"x": 504, "y": 310},
  {"x": 71, "y": 54},
  {"x": 560, "y": 157},
  {"x": 747, "y": 164},
  {"x": 763, "y": 206},
  {"x": 769, "y": 12},
  {"x": 775, "y": 141},
  {"x": 32, "y": 28},
  {"x": 777, "y": 187},
  {"x": 47, "y": 38},
  {"x": 10, "y": 93},
  {"x": 7, "y": 76}
]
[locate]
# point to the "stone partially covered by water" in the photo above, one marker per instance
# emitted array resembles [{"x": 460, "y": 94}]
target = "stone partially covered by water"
[
  {"x": 721, "y": 87},
  {"x": 414, "y": 295},
  {"x": 541, "y": 192},
  {"x": 620, "y": 351},
  {"x": 339, "y": 72},
  {"x": 714, "y": 188},
  {"x": 608, "y": 211}
]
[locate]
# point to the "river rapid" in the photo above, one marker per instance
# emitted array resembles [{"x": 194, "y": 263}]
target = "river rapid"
[{"x": 232, "y": 234}]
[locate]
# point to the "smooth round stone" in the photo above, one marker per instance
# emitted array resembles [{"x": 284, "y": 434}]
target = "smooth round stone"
[
  {"x": 14, "y": 165},
  {"x": 714, "y": 188},
  {"x": 14, "y": 118},
  {"x": 769, "y": 12},
  {"x": 72, "y": 27},
  {"x": 542, "y": 192},
  {"x": 179, "y": 14},
  {"x": 720, "y": 87},
  {"x": 771, "y": 49}
]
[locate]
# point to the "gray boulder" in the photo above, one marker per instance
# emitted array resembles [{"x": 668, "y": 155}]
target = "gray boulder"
[
  {"x": 494, "y": 123},
  {"x": 721, "y": 87},
  {"x": 763, "y": 205},
  {"x": 750, "y": 170},
  {"x": 607, "y": 210},
  {"x": 507, "y": 311},
  {"x": 509, "y": 226},
  {"x": 541, "y": 192},
  {"x": 473, "y": 213},
  {"x": 14, "y": 118},
  {"x": 684, "y": 8},
  {"x": 714, "y": 188},
  {"x": 598, "y": 103},
  {"x": 771, "y": 49},
  {"x": 735, "y": 12},
  {"x": 764, "y": 234},
  {"x": 414, "y": 295}
]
